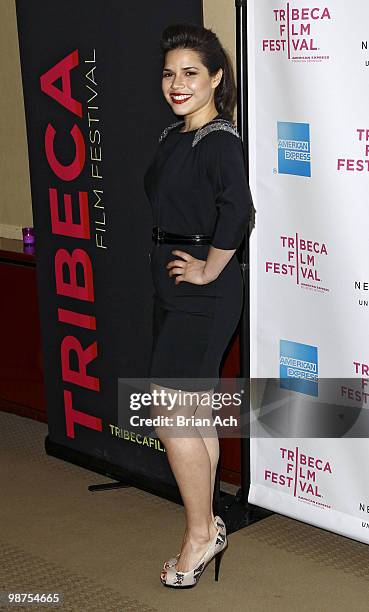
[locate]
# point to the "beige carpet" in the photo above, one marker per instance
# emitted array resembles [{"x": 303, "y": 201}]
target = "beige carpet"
[{"x": 103, "y": 551}]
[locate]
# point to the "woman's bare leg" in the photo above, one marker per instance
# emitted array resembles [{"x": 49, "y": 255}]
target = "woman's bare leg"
[
  {"x": 190, "y": 463},
  {"x": 210, "y": 437},
  {"x": 211, "y": 441}
]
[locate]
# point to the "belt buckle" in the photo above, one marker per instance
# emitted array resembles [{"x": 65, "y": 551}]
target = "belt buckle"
[{"x": 158, "y": 235}]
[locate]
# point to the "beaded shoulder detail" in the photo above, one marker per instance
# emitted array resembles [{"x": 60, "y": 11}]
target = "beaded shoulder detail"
[
  {"x": 165, "y": 132},
  {"x": 216, "y": 124}
]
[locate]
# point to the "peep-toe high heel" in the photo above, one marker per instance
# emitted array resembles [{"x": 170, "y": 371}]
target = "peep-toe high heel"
[
  {"x": 172, "y": 578},
  {"x": 218, "y": 522}
]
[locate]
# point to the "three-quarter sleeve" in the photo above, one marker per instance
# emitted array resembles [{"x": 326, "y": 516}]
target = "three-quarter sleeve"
[{"x": 232, "y": 192}]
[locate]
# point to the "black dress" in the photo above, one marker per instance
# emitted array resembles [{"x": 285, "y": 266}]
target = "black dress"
[{"x": 196, "y": 184}]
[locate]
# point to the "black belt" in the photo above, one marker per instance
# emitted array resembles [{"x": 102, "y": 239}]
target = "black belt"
[{"x": 159, "y": 237}]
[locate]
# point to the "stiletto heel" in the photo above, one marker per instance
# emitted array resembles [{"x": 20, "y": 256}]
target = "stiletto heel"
[{"x": 218, "y": 558}]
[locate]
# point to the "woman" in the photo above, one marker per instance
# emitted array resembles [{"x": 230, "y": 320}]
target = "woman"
[{"x": 201, "y": 206}]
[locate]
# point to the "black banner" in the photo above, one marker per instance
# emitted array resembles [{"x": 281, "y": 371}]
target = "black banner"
[{"x": 94, "y": 109}]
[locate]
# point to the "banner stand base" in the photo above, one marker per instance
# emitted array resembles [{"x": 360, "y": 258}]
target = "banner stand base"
[
  {"x": 108, "y": 485},
  {"x": 237, "y": 513}
]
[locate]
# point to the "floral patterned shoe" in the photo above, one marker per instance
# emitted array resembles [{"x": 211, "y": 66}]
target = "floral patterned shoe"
[
  {"x": 172, "y": 578},
  {"x": 218, "y": 522}
]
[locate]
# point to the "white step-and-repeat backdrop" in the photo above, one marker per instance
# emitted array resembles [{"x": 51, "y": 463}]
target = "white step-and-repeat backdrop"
[{"x": 309, "y": 260}]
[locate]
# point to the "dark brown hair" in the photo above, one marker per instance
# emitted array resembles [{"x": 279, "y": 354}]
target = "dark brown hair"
[{"x": 212, "y": 55}]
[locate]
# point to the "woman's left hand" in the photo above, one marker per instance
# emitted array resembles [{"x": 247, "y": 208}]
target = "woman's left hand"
[{"x": 188, "y": 269}]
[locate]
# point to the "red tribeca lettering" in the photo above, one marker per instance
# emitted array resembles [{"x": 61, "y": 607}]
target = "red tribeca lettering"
[
  {"x": 73, "y": 170},
  {"x": 80, "y": 376},
  {"x": 61, "y": 70},
  {"x": 79, "y": 257},
  {"x": 68, "y": 227},
  {"x": 71, "y": 289},
  {"x": 73, "y": 416},
  {"x": 76, "y": 318}
]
